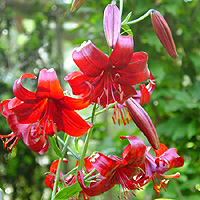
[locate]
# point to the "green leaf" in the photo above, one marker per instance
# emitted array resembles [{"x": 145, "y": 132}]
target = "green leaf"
[
  {"x": 127, "y": 18},
  {"x": 68, "y": 191},
  {"x": 55, "y": 147},
  {"x": 126, "y": 29}
]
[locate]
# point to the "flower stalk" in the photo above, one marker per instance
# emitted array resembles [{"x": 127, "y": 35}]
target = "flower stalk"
[
  {"x": 59, "y": 167},
  {"x": 80, "y": 166}
]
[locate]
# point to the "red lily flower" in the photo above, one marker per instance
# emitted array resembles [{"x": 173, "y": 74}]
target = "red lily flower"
[
  {"x": 114, "y": 170},
  {"x": 154, "y": 167},
  {"x": 38, "y": 142},
  {"x": 48, "y": 107},
  {"x": 112, "y": 78}
]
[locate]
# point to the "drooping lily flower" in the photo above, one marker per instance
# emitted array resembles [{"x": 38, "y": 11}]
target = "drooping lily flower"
[
  {"x": 32, "y": 137},
  {"x": 163, "y": 33},
  {"x": 154, "y": 167},
  {"x": 114, "y": 170},
  {"x": 112, "y": 78},
  {"x": 48, "y": 107}
]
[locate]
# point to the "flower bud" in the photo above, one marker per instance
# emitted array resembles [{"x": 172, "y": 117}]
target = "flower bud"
[
  {"x": 143, "y": 121},
  {"x": 76, "y": 5},
  {"x": 163, "y": 33},
  {"x": 112, "y": 24}
]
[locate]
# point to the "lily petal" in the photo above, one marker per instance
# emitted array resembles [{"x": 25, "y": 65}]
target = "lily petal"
[
  {"x": 122, "y": 53},
  {"x": 103, "y": 164},
  {"x": 90, "y": 60},
  {"x": 112, "y": 24},
  {"x": 95, "y": 188},
  {"x": 137, "y": 70},
  {"x": 71, "y": 123},
  {"x": 22, "y": 93},
  {"x": 48, "y": 85},
  {"x": 134, "y": 153}
]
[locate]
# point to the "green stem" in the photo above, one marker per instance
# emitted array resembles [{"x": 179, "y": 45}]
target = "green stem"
[
  {"x": 59, "y": 167},
  {"x": 140, "y": 18},
  {"x": 103, "y": 110},
  {"x": 121, "y": 7},
  {"x": 80, "y": 166}
]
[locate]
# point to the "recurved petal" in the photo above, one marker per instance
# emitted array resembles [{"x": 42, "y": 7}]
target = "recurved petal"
[
  {"x": 103, "y": 164},
  {"x": 4, "y": 110},
  {"x": 122, "y": 53},
  {"x": 48, "y": 85},
  {"x": 143, "y": 122},
  {"x": 112, "y": 24},
  {"x": 173, "y": 159},
  {"x": 79, "y": 83},
  {"x": 163, "y": 33},
  {"x": 22, "y": 93},
  {"x": 90, "y": 60},
  {"x": 133, "y": 153},
  {"x": 95, "y": 188}
]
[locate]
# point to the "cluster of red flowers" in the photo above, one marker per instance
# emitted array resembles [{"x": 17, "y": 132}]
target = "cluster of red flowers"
[{"x": 102, "y": 79}]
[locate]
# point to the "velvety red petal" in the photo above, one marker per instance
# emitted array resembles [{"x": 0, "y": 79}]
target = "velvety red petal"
[
  {"x": 122, "y": 53},
  {"x": 174, "y": 160},
  {"x": 112, "y": 24},
  {"x": 103, "y": 164},
  {"x": 29, "y": 112},
  {"x": 22, "y": 93},
  {"x": 4, "y": 110},
  {"x": 75, "y": 104},
  {"x": 90, "y": 60},
  {"x": 48, "y": 85},
  {"x": 137, "y": 70},
  {"x": 95, "y": 188},
  {"x": 70, "y": 122},
  {"x": 79, "y": 83},
  {"x": 15, "y": 126},
  {"x": 134, "y": 153}
]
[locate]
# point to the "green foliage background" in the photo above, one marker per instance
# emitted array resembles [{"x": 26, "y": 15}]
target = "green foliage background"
[{"x": 40, "y": 34}]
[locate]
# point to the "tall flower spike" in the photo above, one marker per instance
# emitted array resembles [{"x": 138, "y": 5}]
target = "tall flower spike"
[
  {"x": 163, "y": 33},
  {"x": 112, "y": 24},
  {"x": 77, "y": 4},
  {"x": 143, "y": 122}
]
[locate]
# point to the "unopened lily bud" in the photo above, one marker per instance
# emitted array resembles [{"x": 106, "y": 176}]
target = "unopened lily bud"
[
  {"x": 77, "y": 4},
  {"x": 163, "y": 33},
  {"x": 143, "y": 121},
  {"x": 112, "y": 24}
]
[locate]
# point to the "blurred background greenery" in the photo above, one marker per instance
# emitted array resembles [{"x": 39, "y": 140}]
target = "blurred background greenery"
[{"x": 38, "y": 34}]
